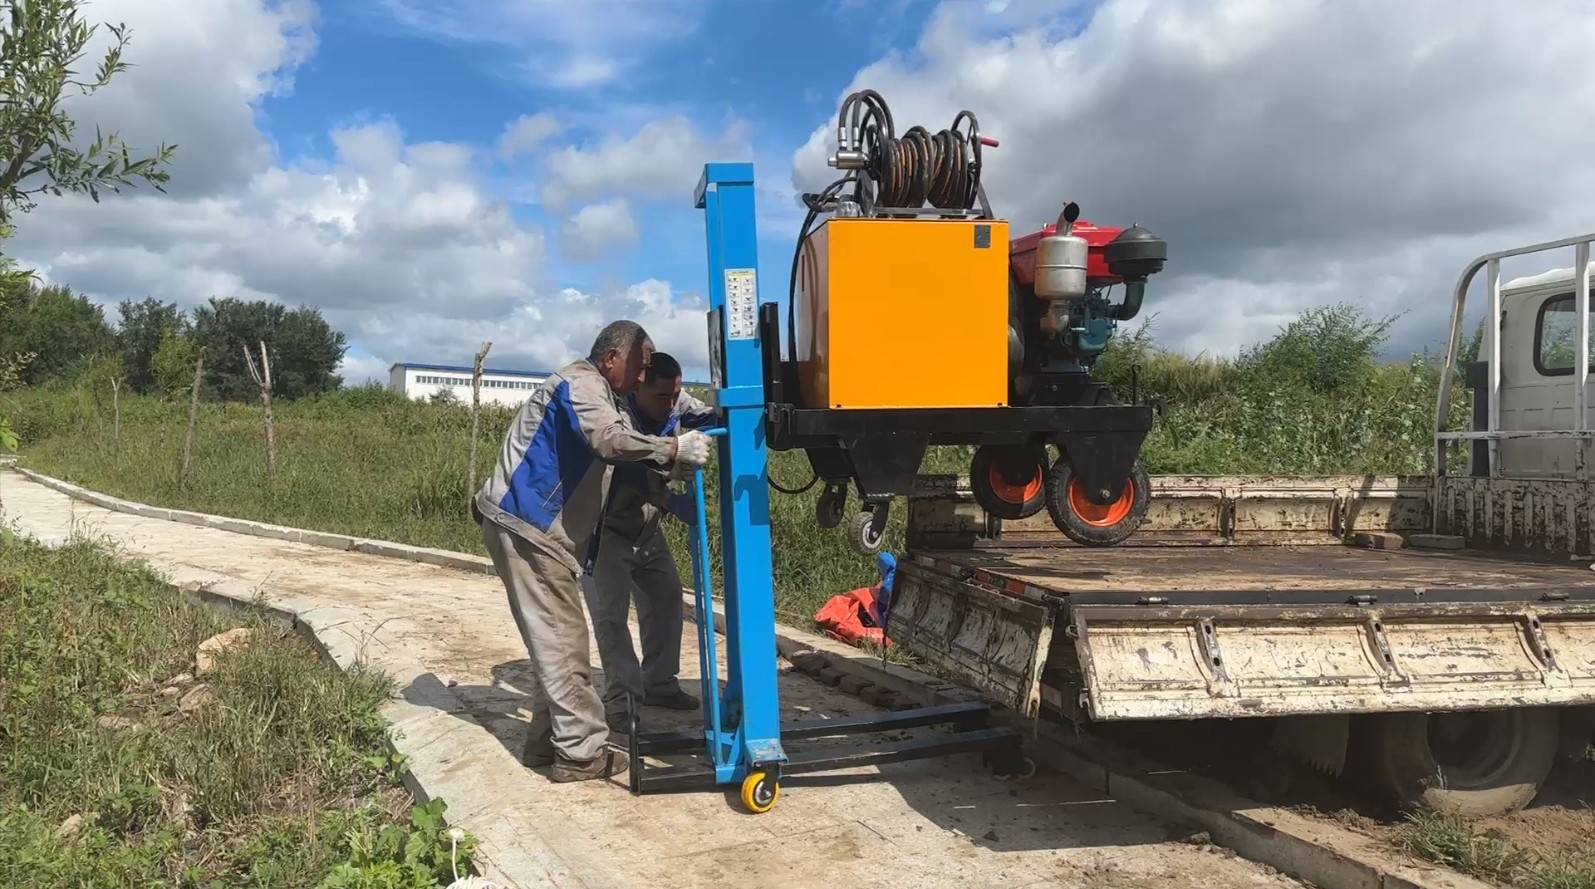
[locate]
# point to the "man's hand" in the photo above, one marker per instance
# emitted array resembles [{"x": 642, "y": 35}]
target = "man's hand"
[{"x": 692, "y": 448}]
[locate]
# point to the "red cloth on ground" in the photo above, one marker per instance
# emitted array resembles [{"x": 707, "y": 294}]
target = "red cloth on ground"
[{"x": 850, "y": 618}]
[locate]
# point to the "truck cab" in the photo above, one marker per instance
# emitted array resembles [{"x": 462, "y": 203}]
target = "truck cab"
[{"x": 1538, "y": 358}]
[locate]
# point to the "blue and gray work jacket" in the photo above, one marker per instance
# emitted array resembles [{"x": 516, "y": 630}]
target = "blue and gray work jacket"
[{"x": 552, "y": 474}]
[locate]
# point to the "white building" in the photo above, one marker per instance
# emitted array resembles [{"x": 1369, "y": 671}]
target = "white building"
[{"x": 422, "y": 381}]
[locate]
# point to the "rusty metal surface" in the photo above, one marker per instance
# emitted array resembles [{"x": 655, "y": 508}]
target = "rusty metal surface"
[
  {"x": 1292, "y": 624},
  {"x": 1192, "y": 510},
  {"x": 1144, "y": 664},
  {"x": 1552, "y": 517}
]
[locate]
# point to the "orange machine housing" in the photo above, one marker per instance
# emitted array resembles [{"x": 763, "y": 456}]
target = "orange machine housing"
[{"x": 903, "y": 313}]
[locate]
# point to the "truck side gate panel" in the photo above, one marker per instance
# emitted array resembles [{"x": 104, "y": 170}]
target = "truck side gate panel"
[{"x": 991, "y": 641}]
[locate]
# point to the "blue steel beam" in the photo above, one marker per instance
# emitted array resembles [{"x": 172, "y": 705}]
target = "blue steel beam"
[{"x": 750, "y": 709}]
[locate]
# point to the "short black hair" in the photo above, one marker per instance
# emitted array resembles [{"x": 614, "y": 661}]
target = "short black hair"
[{"x": 662, "y": 367}]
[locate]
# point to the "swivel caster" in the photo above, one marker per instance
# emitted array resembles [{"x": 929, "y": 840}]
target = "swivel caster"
[
  {"x": 1010, "y": 482},
  {"x": 831, "y": 505},
  {"x": 867, "y": 532},
  {"x": 1096, "y": 524},
  {"x": 760, "y": 790}
]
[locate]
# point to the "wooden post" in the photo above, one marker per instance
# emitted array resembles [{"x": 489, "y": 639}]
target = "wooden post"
[
  {"x": 262, "y": 375},
  {"x": 476, "y": 418},
  {"x": 116, "y": 414},
  {"x": 193, "y": 416}
]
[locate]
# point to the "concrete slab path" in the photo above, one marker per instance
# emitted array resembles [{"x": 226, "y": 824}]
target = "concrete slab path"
[{"x": 446, "y": 637}]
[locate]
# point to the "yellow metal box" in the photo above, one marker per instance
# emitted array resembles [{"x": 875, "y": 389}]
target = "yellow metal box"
[{"x": 903, "y": 313}]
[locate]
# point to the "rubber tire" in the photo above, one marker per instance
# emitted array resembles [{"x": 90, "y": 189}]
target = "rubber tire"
[
  {"x": 1058, "y": 481},
  {"x": 828, "y": 509},
  {"x": 858, "y": 532},
  {"x": 986, "y": 458},
  {"x": 1393, "y": 756},
  {"x": 759, "y": 792}
]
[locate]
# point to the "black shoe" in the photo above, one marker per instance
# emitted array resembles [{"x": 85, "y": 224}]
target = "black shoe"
[
  {"x": 619, "y": 722},
  {"x": 606, "y": 764},
  {"x": 675, "y": 700},
  {"x": 539, "y": 749}
]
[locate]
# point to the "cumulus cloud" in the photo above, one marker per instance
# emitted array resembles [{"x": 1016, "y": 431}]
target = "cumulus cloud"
[
  {"x": 525, "y": 133},
  {"x": 661, "y": 158},
  {"x": 401, "y": 244},
  {"x": 1292, "y": 153},
  {"x": 599, "y": 230}
]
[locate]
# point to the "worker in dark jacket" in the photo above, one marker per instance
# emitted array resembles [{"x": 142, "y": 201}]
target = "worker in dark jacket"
[
  {"x": 538, "y": 510},
  {"x": 630, "y": 559}
]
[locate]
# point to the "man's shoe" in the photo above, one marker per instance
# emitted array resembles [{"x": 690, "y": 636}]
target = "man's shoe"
[
  {"x": 618, "y": 722},
  {"x": 608, "y": 763},
  {"x": 675, "y": 700},
  {"x": 539, "y": 749}
]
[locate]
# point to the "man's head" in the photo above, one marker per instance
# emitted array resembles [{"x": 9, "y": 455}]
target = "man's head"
[
  {"x": 661, "y": 385},
  {"x": 621, "y": 353}
]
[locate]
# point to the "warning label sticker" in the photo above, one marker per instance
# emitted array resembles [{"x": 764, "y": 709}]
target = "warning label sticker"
[{"x": 742, "y": 304}]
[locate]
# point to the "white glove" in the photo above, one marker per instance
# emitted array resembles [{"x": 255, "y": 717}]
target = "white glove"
[{"x": 692, "y": 448}]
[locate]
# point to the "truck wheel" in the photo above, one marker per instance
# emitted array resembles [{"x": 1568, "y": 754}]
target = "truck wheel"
[
  {"x": 1471, "y": 763},
  {"x": 1093, "y": 524},
  {"x": 1010, "y": 482}
]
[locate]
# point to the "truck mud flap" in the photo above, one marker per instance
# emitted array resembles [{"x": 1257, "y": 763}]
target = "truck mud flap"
[
  {"x": 1186, "y": 663},
  {"x": 968, "y": 633}
]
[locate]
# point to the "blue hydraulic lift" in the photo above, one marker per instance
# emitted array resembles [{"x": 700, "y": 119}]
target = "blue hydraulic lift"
[{"x": 741, "y": 740}]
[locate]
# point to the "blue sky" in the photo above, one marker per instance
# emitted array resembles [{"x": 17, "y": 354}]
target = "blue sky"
[
  {"x": 369, "y": 63},
  {"x": 352, "y": 155}
]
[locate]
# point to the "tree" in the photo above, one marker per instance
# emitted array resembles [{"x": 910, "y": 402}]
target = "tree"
[
  {"x": 172, "y": 366},
  {"x": 141, "y": 333},
  {"x": 64, "y": 331},
  {"x": 41, "y": 44},
  {"x": 305, "y": 350}
]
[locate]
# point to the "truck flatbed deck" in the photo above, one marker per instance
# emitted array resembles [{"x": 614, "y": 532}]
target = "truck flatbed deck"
[
  {"x": 1203, "y": 574},
  {"x": 1240, "y": 600}
]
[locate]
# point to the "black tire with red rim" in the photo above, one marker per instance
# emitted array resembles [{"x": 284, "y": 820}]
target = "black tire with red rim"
[
  {"x": 1010, "y": 482},
  {"x": 1094, "y": 524}
]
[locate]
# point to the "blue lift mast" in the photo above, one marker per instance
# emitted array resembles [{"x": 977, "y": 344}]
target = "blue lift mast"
[{"x": 742, "y": 730}]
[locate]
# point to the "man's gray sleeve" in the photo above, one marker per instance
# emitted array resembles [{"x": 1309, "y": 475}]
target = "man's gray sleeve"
[
  {"x": 694, "y": 414},
  {"x": 607, "y": 431}
]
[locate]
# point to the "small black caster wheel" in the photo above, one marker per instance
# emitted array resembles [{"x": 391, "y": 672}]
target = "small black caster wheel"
[
  {"x": 830, "y": 507},
  {"x": 1096, "y": 524},
  {"x": 865, "y": 535}
]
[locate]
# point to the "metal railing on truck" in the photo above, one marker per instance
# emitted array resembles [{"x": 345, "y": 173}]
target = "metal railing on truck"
[{"x": 1487, "y": 508}]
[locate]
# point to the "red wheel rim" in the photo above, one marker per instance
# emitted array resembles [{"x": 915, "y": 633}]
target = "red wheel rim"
[
  {"x": 1101, "y": 515},
  {"x": 1014, "y": 493}
]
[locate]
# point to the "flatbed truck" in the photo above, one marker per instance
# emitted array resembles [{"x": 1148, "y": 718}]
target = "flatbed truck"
[{"x": 1434, "y": 635}]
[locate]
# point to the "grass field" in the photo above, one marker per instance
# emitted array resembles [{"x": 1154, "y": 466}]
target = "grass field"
[
  {"x": 366, "y": 462},
  {"x": 120, "y": 768}
]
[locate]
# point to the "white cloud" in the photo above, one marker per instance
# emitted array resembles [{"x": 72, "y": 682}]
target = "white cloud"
[
  {"x": 526, "y": 133},
  {"x": 400, "y": 244},
  {"x": 565, "y": 45},
  {"x": 663, "y": 157},
  {"x": 599, "y": 230},
  {"x": 1292, "y": 153}
]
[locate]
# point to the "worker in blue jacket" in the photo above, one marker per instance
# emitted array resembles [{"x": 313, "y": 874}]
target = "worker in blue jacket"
[
  {"x": 538, "y": 510},
  {"x": 629, "y": 559}
]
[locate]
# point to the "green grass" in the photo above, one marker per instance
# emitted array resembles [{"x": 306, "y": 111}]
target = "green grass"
[
  {"x": 284, "y": 777},
  {"x": 366, "y": 462},
  {"x": 1456, "y": 843}
]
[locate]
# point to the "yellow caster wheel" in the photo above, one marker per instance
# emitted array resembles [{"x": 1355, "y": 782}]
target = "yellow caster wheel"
[{"x": 759, "y": 792}]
